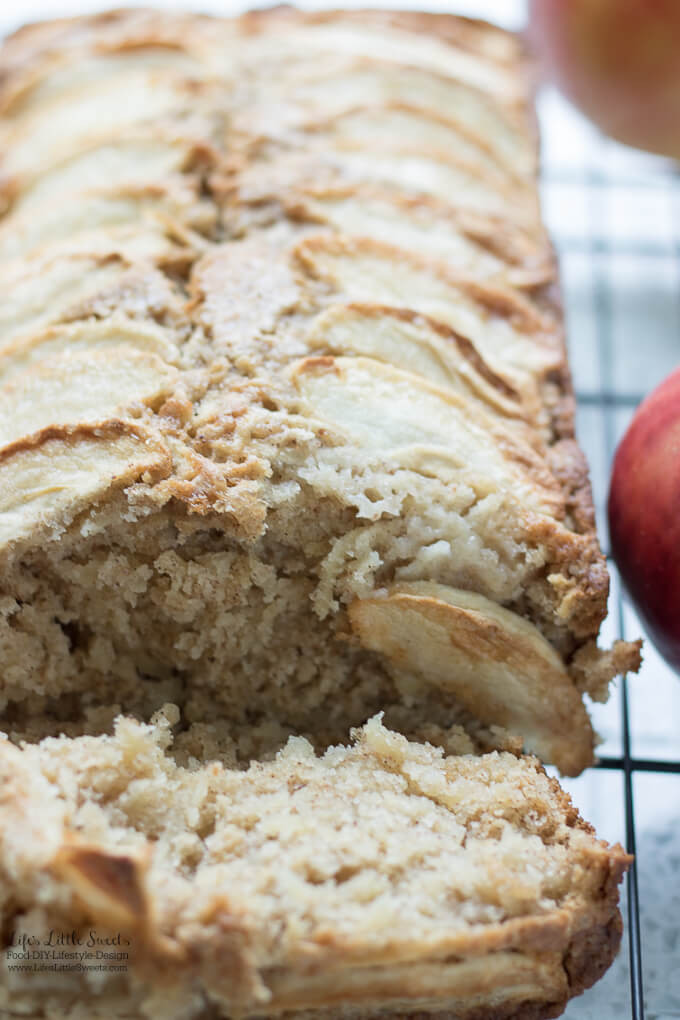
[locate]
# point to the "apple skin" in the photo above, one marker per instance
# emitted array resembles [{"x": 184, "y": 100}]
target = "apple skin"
[
  {"x": 618, "y": 61},
  {"x": 644, "y": 515}
]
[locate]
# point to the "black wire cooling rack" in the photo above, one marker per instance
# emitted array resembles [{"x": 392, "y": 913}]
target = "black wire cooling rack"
[{"x": 598, "y": 248}]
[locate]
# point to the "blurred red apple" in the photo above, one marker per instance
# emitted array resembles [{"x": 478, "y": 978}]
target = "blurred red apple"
[
  {"x": 644, "y": 514},
  {"x": 618, "y": 61}
]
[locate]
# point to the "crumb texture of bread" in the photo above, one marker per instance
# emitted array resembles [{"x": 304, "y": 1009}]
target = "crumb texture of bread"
[
  {"x": 278, "y": 339},
  {"x": 381, "y": 878}
]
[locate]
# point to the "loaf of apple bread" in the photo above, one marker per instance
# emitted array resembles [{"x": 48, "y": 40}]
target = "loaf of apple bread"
[
  {"x": 286, "y": 441},
  {"x": 286, "y": 423},
  {"x": 382, "y": 879}
]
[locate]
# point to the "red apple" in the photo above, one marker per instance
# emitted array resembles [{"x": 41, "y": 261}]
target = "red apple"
[
  {"x": 618, "y": 61},
  {"x": 644, "y": 514}
]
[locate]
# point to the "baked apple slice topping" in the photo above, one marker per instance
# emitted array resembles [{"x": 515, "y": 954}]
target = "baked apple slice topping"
[{"x": 497, "y": 664}]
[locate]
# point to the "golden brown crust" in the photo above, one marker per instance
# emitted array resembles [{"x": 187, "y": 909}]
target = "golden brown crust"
[{"x": 109, "y": 885}]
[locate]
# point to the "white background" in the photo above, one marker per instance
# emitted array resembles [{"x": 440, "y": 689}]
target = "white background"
[{"x": 509, "y": 13}]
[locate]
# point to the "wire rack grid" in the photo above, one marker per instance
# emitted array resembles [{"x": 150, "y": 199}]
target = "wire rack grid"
[{"x": 615, "y": 219}]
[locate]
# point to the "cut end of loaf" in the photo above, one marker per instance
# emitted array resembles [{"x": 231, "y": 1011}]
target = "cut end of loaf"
[{"x": 291, "y": 886}]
